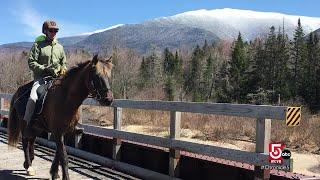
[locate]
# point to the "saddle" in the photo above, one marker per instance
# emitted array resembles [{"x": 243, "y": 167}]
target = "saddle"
[{"x": 21, "y": 102}]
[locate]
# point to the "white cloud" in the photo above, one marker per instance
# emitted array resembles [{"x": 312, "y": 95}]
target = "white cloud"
[
  {"x": 30, "y": 19},
  {"x": 31, "y": 22}
]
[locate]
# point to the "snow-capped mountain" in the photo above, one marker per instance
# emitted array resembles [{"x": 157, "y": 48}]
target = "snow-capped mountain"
[
  {"x": 185, "y": 30},
  {"x": 143, "y": 37},
  {"x": 227, "y": 23},
  {"x": 191, "y": 28},
  {"x": 101, "y": 30}
]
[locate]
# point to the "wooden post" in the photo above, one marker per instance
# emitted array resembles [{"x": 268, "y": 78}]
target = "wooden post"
[
  {"x": 263, "y": 135},
  {"x": 174, "y": 155},
  {"x": 2, "y": 104},
  {"x": 1, "y": 108},
  {"x": 77, "y": 137},
  {"x": 117, "y": 126}
]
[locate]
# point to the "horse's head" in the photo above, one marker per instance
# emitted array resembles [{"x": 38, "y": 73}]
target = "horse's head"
[{"x": 98, "y": 83}]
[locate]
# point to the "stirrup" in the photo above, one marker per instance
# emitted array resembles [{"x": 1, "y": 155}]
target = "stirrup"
[
  {"x": 78, "y": 130},
  {"x": 30, "y": 124}
]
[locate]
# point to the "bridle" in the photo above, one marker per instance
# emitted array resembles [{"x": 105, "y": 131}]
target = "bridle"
[{"x": 97, "y": 87}]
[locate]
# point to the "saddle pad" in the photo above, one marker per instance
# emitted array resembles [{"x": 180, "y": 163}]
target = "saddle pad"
[{"x": 42, "y": 91}]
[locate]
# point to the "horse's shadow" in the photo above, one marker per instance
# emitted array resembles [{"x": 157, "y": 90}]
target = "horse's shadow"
[{"x": 16, "y": 175}]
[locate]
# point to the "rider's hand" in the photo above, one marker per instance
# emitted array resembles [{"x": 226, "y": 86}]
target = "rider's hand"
[{"x": 62, "y": 72}]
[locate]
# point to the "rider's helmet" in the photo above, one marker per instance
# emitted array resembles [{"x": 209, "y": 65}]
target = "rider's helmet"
[{"x": 49, "y": 24}]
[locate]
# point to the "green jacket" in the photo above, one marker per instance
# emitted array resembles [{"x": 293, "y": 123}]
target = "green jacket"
[{"x": 46, "y": 58}]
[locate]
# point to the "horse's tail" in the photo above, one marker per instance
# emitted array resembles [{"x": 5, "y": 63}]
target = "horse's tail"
[{"x": 14, "y": 126}]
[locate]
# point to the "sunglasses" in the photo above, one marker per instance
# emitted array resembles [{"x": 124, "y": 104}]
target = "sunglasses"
[{"x": 53, "y": 30}]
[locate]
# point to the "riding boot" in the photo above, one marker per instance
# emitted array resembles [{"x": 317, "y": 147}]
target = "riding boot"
[{"x": 29, "y": 112}]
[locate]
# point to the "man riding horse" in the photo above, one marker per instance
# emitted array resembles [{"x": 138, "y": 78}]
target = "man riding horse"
[
  {"x": 65, "y": 96},
  {"x": 46, "y": 58}
]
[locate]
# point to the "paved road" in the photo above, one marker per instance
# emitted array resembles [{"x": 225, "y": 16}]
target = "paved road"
[{"x": 11, "y": 165}]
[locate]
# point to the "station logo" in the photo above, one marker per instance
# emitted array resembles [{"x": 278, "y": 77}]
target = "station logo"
[{"x": 277, "y": 153}]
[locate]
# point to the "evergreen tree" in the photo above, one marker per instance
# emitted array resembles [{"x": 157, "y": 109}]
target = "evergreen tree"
[
  {"x": 208, "y": 78},
  {"x": 143, "y": 74},
  {"x": 168, "y": 70},
  {"x": 178, "y": 75},
  {"x": 315, "y": 104},
  {"x": 172, "y": 69},
  {"x": 298, "y": 60},
  {"x": 193, "y": 82},
  {"x": 223, "y": 88},
  {"x": 169, "y": 64},
  {"x": 238, "y": 67},
  {"x": 310, "y": 77},
  {"x": 271, "y": 49},
  {"x": 154, "y": 68},
  {"x": 169, "y": 88},
  {"x": 255, "y": 56},
  {"x": 150, "y": 72},
  {"x": 281, "y": 85}
]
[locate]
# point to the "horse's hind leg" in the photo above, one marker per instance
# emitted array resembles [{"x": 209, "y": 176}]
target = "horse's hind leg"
[
  {"x": 31, "y": 148},
  {"x": 27, "y": 161},
  {"x": 25, "y": 145}
]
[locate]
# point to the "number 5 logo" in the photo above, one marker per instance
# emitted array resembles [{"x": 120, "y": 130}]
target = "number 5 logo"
[{"x": 275, "y": 152}]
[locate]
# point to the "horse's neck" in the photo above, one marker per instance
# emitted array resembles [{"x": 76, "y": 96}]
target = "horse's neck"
[{"x": 77, "y": 91}]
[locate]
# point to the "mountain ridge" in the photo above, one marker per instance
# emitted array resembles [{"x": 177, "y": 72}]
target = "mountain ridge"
[
  {"x": 185, "y": 30},
  {"x": 227, "y": 22}
]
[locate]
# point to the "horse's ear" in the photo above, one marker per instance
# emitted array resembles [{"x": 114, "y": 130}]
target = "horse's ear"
[
  {"x": 95, "y": 60},
  {"x": 108, "y": 60}
]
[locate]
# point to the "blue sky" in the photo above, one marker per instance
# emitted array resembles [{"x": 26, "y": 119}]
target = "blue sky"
[{"x": 21, "y": 20}]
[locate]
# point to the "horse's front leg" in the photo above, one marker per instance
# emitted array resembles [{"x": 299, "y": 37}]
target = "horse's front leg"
[
  {"x": 64, "y": 159},
  {"x": 27, "y": 161},
  {"x": 60, "y": 157},
  {"x": 54, "y": 167},
  {"x": 55, "y": 164}
]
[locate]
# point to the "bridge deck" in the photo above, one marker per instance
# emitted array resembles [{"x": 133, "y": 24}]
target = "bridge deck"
[{"x": 11, "y": 165}]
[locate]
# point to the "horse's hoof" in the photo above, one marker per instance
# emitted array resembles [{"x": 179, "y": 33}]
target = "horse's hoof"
[
  {"x": 25, "y": 165},
  {"x": 56, "y": 176},
  {"x": 31, "y": 171}
]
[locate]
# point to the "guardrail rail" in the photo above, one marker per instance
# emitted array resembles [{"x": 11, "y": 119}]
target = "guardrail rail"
[{"x": 262, "y": 113}]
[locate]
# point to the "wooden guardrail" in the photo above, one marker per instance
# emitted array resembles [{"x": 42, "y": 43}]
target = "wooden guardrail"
[{"x": 263, "y": 114}]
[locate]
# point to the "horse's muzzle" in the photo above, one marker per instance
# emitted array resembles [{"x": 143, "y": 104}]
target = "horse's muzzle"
[{"x": 108, "y": 99}]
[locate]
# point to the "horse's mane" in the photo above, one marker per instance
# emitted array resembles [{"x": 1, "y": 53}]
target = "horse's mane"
[
  {"x": 75, "y": 69},
  {"x": 105, "y": 69}
]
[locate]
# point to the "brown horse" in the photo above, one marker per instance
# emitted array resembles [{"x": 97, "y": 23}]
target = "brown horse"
[{"x": 60, "y": 111}]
